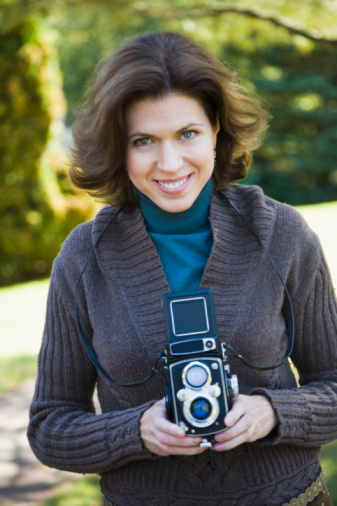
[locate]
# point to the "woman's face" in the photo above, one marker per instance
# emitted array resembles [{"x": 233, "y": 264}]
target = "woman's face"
[{"x": 170, "y": 153}]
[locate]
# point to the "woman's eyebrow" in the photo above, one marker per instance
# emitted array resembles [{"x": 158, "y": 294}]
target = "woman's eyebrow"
[
  {"x": 182, "y": 129},
  {"x": 188, "y": 126},
  {"x": 139, "y": 134}
]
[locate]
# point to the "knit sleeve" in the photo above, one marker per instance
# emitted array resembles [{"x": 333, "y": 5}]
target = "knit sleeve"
[
  {"x": 64, "y": 431},
  {"x": 308, "y": 414}
]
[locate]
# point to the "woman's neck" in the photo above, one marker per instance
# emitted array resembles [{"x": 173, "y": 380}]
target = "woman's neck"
[{"x": 159, "y": 221}]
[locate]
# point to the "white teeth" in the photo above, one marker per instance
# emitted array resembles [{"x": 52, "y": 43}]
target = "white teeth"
[{"x": 173, "y": 186}]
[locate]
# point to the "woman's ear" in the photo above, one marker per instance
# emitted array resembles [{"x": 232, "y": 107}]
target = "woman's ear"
[{"x": 216, "y": 129}]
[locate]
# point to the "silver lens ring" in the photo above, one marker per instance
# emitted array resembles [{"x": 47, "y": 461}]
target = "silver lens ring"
[
  {"x": 201, "y": 410},
  {"x": 196, "y": 375}
]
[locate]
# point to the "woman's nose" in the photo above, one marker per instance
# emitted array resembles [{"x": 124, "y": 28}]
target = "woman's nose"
[{"x": 169, "y": 157}]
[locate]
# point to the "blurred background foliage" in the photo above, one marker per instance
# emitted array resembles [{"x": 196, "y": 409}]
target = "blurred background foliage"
[
  {"x": 37, "y": 205},
  {"x": 284, "y": 51}
]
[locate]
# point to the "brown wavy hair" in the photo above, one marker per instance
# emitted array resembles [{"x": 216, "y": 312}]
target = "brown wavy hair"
[{"x": 154, "y": 65}]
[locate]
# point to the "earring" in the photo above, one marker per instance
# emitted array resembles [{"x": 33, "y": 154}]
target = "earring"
[{"x": 214, "y": 151}]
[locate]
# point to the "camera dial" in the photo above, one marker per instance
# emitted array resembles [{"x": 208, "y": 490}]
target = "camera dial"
[
  {"x": 182, "y": 395},
  {"x": 215, "y": 390}
]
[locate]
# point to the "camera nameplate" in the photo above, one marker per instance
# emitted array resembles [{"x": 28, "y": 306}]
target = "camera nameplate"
[{"x": 192, "y": 346}]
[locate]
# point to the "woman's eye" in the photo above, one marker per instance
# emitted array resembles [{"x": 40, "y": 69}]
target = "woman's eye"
[
  {"x": 144, "y": 141},
  {"x": 190, "y": 134}
]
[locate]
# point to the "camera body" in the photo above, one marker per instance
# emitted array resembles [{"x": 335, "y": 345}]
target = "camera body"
[{"x": 200, "y": 387}]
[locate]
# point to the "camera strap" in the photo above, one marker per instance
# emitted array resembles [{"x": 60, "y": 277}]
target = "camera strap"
[{"x": 85, "y": 341}]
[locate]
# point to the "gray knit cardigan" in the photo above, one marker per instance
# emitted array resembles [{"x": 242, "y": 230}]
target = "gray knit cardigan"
[{"x": 119, "y": 303}]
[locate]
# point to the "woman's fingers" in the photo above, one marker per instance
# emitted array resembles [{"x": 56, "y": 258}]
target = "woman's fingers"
[
  {"x": 236, "y": 412},
  {"x": 162, "y": 437},
  {"x": 251, "y": 418}
]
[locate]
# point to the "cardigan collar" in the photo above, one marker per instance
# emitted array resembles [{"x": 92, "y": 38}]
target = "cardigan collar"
[{"x": 129, "y": 258}]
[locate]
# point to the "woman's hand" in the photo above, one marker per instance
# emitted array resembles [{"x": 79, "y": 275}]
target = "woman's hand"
[
  {"x": 251, "y": 418},
  {"x": 164, "y": 438}
]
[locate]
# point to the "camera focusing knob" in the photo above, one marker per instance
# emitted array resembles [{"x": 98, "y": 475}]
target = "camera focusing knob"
[
  {"x": 233, "y": 385},
  {"x": 182, "y": 395},
  {"x": 215, "y": 391}
]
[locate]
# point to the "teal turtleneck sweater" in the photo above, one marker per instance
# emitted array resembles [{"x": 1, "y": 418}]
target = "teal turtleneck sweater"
[{"x": 183, "y": 240}]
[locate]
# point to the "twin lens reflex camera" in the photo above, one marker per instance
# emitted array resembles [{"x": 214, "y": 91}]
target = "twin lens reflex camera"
[{"x": 200, "y": 386}]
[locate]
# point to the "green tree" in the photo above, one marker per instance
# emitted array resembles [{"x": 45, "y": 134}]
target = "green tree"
[
  {"x": 315, "y": 19},
  {"x": 294, "y": 75},
  {"x": 37, "y": 208},
  {"x": 85, "y": 36},
  {"x": 297, "y": 160}
]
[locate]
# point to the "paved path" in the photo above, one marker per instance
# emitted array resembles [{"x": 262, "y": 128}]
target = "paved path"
[{"x": 23, "y": 480}]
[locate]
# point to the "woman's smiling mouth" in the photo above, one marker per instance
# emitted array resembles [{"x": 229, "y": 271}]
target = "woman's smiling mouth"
[{"x": 172, "y": 185}]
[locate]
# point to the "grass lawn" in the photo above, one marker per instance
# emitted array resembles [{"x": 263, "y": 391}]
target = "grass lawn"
[
  {"x": 22, "y": 310},
  {"x": 82, "y": 492}
]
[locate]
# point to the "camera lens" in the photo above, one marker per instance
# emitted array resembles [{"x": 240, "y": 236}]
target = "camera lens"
[
  {"x": 196, "y": 376},
  {"x": 201, "y": 408}
]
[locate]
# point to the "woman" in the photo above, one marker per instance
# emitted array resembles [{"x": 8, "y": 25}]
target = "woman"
[{"x": 165, "y": 131}]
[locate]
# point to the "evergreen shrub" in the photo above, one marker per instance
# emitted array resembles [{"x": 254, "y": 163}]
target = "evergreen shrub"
[{"x": 297, "y": 160}]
